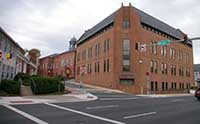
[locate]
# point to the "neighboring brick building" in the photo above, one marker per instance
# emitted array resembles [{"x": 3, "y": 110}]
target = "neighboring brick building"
[
  {"x": 56, "y": 64},
  {"x": 109, "y": 52}
]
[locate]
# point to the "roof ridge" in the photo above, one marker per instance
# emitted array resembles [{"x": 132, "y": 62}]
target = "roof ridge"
[
  {"x": 155, "y": 18},
  {"x": 96, "y": 27}
]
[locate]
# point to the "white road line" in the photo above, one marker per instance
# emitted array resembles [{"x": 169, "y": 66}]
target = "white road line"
[
  {"x": 113, "y": 96},
  {"x": 85, "y": 114},
  {"x": 101, "y": 107},
  {"x": 177, "y": 100},
  {"x": 25, "y": 115},
  {"x": 118, "y": 98},
  {"x": 140, "y": 115}
]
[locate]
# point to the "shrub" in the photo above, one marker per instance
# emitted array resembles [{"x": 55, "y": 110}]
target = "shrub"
[
  {"x": 194, "y": 87},
  {"x": 24, "y": 77},
  {"x": 59, "y": 77},
  {"x": 10, "y": 86},
  {"x": 44, "y": 85}
]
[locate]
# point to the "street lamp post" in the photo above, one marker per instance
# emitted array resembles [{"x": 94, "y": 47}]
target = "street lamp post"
[{"x": 65, "y": 76}]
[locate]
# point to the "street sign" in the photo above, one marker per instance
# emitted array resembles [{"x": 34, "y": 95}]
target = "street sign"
[
  {"x": 83, "y": 70},
  {"x": 143, "y": 47},
  {"x": 1, "y": 56},
  {"x": 8, "y": 56},
  {"x": 163, "y": 42},
  {"x": 67, "y": 71}
]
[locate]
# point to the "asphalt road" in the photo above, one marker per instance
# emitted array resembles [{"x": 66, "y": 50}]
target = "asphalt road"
[{"x": 110, "y": 108}]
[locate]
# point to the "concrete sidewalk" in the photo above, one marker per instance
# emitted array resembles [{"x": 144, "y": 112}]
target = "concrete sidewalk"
[
  {"x": 75, "y": 86},
  {"x": 47, "y": 99}
]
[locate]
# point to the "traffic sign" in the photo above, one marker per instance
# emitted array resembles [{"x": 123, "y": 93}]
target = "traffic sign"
[
  {"x": 8, "y": 56},
  {"x": 67, "y": 71},
  {"x": 143, "y": 47},
  {"x": 83, "y": 70},
  {"x": 1, "y": 55},
  {"x": 163, "y": 42}
]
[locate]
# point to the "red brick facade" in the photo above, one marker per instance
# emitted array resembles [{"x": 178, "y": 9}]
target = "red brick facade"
[
  {"x": 170, "y": 67},
  {"x": 55, "y": 65}
]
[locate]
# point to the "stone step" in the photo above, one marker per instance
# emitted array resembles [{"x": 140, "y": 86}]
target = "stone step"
[{"x": 26, "y": 91}]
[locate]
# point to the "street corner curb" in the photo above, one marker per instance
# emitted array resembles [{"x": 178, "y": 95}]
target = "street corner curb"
[{"x": 85, "y": 96}]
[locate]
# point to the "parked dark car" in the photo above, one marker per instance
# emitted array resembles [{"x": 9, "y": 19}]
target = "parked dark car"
[{"x": 197, "y": 94}]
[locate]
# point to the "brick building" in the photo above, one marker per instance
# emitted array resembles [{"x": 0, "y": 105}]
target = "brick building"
[
  {"x": 109, "y": 54},
  {"x": 56, "y": 64}
]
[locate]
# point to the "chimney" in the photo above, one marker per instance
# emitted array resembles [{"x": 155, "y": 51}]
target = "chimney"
[
  {"x": 122, "y": 4},
  {"x": 129, "y": 4}
]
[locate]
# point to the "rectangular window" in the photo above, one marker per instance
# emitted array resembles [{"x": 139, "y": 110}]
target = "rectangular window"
[
  {"x": 126, "y": 55},
  {"x": 137, "y": 45},
  {"x": 152, "y": 86},
  {"x": 95, "y": 67},
  {"x": 175, "y": 85},
  {"x": 172, "y": 85},
  {"x": 163, "y": 86},
  {"x": 166, "y": 86},
  {"x": 98, "y": 53},
  {"x": 151, "y": 47},
  {"x": 165, "y": 66},
  {"x": 174, "y": 70},
  {"x": 108, "y": 65},
  {"x": 78, "y": 70},
  {"x": 155, "y": 67},
  {"x": 173, "y": 54},
  {"x": 126, "y": 24},
  {"x": 98, "y": 66},
  {"x": 170, "y": 52},
  {"x": 181, "y": 55},
  {"x": 156, "y": 86},
  {"x": 151, "y": 64},
  {"x": 106, "y": 45},
  {"x": 96, "y": 47},
  {"x": 84, "y": 55},
  {"x": 187, "y": 58},
  {"x": 162, "y": 68},
  {"x": 126, "y": 81},
  {"x": 78, "y": 57},
  {"x": 154, "y": 48},
  {"x": 89, "y": 68},
  {"x": 90, "y": 52},
  {"x": 104, "y": 66},
  {"x": 165, "y": 50},
  {"x": 162, "y": 50}
]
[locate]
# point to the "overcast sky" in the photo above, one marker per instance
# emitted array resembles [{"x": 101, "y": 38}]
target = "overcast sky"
[{"x": 49, "y": 24}]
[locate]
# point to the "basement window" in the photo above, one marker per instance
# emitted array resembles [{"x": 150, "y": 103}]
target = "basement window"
[{"x": 127, "y": 81}]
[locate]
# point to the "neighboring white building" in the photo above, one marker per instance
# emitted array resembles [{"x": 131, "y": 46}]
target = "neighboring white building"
[
  {"x": 8, "y": 48},
  {"x": 197, "y": 74},
  {"x": 14, "y": 60}
]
